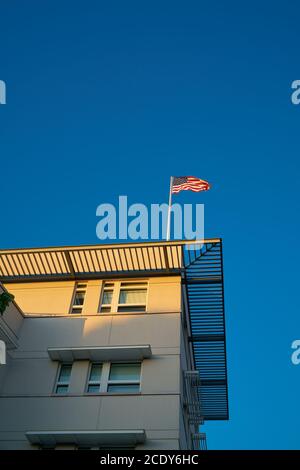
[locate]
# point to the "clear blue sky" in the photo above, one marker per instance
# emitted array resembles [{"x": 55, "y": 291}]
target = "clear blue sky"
[{"x": 109, "y": 98}]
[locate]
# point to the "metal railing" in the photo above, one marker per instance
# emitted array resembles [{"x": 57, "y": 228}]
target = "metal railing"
[
  {"x": 191, "y": 400},
  {"x": 199, "y": 441}
]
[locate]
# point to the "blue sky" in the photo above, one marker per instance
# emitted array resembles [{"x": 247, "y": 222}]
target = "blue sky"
[{"x": 109, "y": 98}]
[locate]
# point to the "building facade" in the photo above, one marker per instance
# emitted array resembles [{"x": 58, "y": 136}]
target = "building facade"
[{"x": 112, "y": 346}]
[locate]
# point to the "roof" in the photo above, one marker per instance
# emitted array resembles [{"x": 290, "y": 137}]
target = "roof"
[
  {"x": 91, "y": 261},
  {"x": 199, "y": 263}
]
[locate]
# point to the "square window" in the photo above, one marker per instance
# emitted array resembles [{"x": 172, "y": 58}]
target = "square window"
[
  {"x": 124, "y": 378},
  {"x": 125, "y": 372},
  {"x": 124, "y": 297},
  {"x": 133, "y": 296}
]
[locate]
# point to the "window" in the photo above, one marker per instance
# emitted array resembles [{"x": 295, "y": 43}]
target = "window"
[
  {"x": 124, "y": 297},
  {"x": 132, "y": 297},
  {"x": 116, "y": 377},
  {"x": 78, "y": 298},
  {"x": 107, "y": 296},
  {"x": 63, "y": 380},
  {"x": 94, "y": 381},
  {"x": 124, "y": 377}
]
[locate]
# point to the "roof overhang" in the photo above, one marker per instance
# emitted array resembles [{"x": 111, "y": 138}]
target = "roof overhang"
[
  {"x": 88, "y": 262},
  {"x": 122, "y": 438},
  {"x": 106, "y": 353}
]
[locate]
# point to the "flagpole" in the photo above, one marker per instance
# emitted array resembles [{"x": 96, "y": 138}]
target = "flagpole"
[{"x": 169, "y": 209}]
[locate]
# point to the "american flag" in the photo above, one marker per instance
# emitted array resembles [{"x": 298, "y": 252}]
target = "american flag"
[{"x": 185, "y": 183}]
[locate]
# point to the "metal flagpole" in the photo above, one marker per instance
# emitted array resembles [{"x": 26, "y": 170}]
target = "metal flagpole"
[{"x": 169, "y": 209}]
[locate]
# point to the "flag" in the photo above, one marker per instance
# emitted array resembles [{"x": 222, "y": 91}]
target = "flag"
[{"x": 189, "y": 183}]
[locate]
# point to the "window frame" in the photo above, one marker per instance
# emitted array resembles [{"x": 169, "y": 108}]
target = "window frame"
[
  {"x": 80, "y": 287},
  {"x": 95, "y": 382},
  {"x": 58, "y": 382},
  {"x": 118, "y": 286},
  {"x": 105, "y": 381},
  {"x": 124, "y": 382},
  {"x": 106, "y": 287}
]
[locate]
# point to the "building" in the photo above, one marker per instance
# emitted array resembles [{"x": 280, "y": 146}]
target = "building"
[{"x": 113, "y": 346}]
